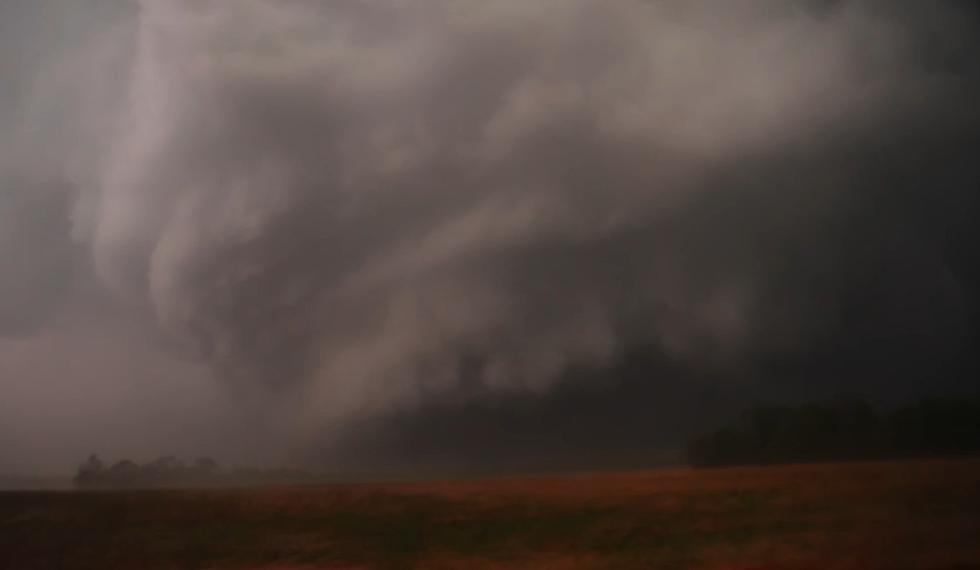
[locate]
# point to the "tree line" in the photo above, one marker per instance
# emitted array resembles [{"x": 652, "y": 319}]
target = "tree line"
[
  {"x": 842, "y": 430},
  {"x": 170, "y": 471}
]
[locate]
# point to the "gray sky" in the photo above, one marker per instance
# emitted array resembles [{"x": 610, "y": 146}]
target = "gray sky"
[{"x": 252, "y": 228}]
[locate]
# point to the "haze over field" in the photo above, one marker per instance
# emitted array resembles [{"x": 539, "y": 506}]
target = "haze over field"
[{"x": 454, "y": 233}]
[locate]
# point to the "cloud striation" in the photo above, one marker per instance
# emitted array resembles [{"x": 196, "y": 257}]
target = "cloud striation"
[{"x": 363, "y": 208}]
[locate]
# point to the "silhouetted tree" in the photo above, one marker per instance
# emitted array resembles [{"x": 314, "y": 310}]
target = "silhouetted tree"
[
  {"x": 91, "y": 473},
  {"x": 845, "y": 429},
  {"x": 124, "y": 474},
  {"x": 205, "y": 465}
]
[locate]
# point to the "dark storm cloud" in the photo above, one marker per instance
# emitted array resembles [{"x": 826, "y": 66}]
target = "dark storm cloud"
[
  {"x": 380, "y": 207},
  {"x": 59, "y": 63}
]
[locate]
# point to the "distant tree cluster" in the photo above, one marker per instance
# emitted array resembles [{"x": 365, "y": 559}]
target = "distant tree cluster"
[
  {"x": 171, "y": 471},
  {"x": 165, "y": 471},
  {"x": 843, "y": 430}
]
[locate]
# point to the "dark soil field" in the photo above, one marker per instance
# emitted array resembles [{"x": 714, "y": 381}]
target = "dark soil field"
[{"x": 889, "y": 515}]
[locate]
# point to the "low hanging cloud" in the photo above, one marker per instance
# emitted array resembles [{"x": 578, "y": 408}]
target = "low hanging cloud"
[{"x": 378, "y": 204}]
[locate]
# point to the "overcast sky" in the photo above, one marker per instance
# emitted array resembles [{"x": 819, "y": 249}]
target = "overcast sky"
[{"x": 458, "y": 233}]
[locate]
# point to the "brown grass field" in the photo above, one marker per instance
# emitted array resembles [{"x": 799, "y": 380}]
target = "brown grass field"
[{"x": 888, "y": 515}]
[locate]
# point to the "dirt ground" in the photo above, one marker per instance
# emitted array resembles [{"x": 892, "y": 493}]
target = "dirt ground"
[{"x": 888, "y": 515}]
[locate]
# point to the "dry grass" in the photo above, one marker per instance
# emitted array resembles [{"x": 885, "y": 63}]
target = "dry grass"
[{"x": 894, "y": 515}]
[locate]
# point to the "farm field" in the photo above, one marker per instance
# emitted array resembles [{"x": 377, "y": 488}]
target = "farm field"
[{"x": 888, "y": 515}]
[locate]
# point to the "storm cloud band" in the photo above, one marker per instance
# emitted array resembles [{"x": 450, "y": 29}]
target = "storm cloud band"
[{"x": 372, "y": 206}]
